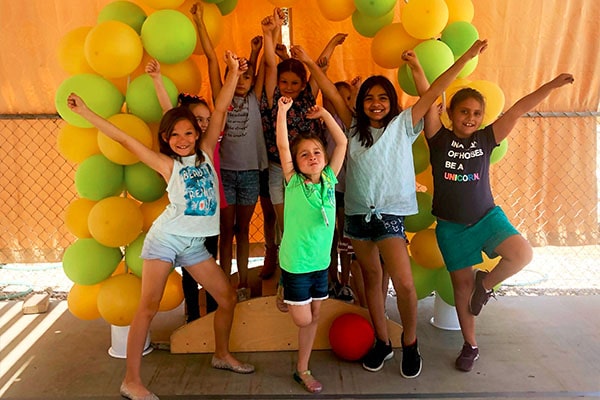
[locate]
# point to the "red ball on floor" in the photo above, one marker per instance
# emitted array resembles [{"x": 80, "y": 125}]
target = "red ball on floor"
[{"x": 351, "y": 336}]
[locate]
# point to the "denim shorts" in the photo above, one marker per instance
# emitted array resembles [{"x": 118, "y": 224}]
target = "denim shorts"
[
  {"x": 461, "y": 245},
  {"x": 241, "y": 187},
  {"x": 276, "y": 188},
  {"x": 300, "y": 289},
  {"x": 357, "y": 228},
  {"x": 263, "y": 183},
  {"x": 180, "y": 251}
]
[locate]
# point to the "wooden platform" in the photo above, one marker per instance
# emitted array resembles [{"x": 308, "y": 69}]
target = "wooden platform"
[{"x": 259, "y": 326}]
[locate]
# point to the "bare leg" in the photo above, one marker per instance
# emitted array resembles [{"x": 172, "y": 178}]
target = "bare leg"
[
  {"x": 243, "y": 217},
  {"x": 462, "y": 283},
  {"x": 154, "y": 278},
  {"x": 226, "y": 242},
  {"x": 516, "y": 253}
]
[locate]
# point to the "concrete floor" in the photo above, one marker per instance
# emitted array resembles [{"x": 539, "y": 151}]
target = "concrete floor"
[{"x": 531, "y": 347}]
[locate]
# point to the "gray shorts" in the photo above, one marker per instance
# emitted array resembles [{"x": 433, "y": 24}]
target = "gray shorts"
[
  {"x": 240, "y": 187},
  {"x": 180, "y": 251},
  {"x": 276, "y": 188}
]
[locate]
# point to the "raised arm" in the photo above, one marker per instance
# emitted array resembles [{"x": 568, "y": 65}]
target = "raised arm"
[
  {"x": 159, "y": 162},
  {"x": 214, "y": 71},
  {"x": 270, "y": 63},
  {"x": 339, "y": 152},
  {"x": 422, "y": 106},
  {"x": 328, "y": 88},
  {"x": 325, "y": 57},
  {"x": 504, "y": 124},
  {"x": 237, "y": 67},
  {"x": 153, "y": 69},
  {"x": 283, "y": 144}
]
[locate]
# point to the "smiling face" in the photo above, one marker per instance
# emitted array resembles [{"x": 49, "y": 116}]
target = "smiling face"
[
  {"x": 376, "y": 105},
  {"x": 310, "y": 158},
  {"x": 466, "y": 117},
  {"x": 290, "y": 84},
  {"x": 182, "y": 139}
]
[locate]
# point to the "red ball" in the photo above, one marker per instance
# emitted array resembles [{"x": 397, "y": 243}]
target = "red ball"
[{"x": 351, "y": 336}]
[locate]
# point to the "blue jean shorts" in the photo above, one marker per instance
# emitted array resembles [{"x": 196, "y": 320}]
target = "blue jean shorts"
[
  {"x": 461, "y": 245},
  {"x": 276, "y": 188},
  {"x": 241, "y": 187},
  {"x": 180, "y": 251},
  {"x": 356, "y": 227},
  {"x": 300, "y": 289}
]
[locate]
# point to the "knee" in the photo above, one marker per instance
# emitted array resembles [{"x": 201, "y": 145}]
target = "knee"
[
  {"x": 405, "y": 289},
  {"x": 229, "y": 300}
]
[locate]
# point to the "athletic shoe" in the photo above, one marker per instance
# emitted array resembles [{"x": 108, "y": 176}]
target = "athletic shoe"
[
  {"x": 378, "y": 354},
  {"x": 467, "y": 357},
  {"x": 412, "y": 362},
  {"x": 480, "y": 295},
  {"x": 345, "y": 294}
]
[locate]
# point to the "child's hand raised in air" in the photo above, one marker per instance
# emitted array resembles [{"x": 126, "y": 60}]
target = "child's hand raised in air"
[
  {"x": 561, "y": 80},
  {"x": 315, "y": 112},
  {"x": 299, "y": 53},
  {"x": 279, "y": 17},
  {"x": 197, "y": 10},
  {"x": 411, "y": 59},
  {"x": 153, "y": 68},
  {"x": 477, "y": 48},
  {"x": 76, "y": 103},
  {"x": 285, "y": 103},
  {"x": 268, "y": 24},
  {"x": 256, "y": 43},
  {"x": 234, "y": 63}
]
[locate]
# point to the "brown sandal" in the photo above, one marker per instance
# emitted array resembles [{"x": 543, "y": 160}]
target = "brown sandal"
[{"x": 308, "y": 381}]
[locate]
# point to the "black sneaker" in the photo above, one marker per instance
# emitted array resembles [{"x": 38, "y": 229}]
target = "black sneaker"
[
  {"x": 378, "y": 354},
  {"x": 480, "y": 295},
  {"x": 345, "y": 294},
  {"x": 411, "y": 360},
  {"x": 466, "y": 358}
]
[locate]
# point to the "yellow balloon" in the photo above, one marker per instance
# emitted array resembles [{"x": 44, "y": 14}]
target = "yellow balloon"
[
  {"x": 118, "y": 299},
  {"x": 336, "y": 10},
  {"x": 115, "y": 221},
  {"x": 134, "y": 127},
  {"x": 76, "y": 217},
  {"x": 121, "y": 268},
  {"x": 494, "y": 99},
  {"x": 113, "y": 49},
  {"x": 173, "y": 293},
  {"x": 213, "y": 20},
  {"x": 70, "y": 51},
  {"x": 76, "y": 144},
  {"x": 185, "y": 75},
  {"x": 425, "y": 251},
  {"x": 389, "y": 43},
  {"x": 460, "y": 10},
  {"x": 424, "y": 19},
  {"x": 152, "y": 210},
  {"x": 82, "y": 301},
  {"x": 162, "y": 4}
]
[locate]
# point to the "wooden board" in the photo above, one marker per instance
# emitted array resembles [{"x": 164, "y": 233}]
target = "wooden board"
[{"x": 259, "y": 326}]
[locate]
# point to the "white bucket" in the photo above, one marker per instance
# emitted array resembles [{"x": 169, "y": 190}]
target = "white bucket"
[
  {"x": 118, "y": 340},
  {"x": 444, "y": 315}
]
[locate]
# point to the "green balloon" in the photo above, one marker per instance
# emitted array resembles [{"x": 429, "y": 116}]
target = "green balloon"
[
  {"x": 375, "y": 8},
  {"x": 143, "y": 183},
  {"x": 423, "y": 278},
  {"x": 123, "y": 11},
  {"x": 369, "y": 26},
  {"x": 459, "y": 36},
  {"x": 97, "y": 178},
  {"x": 420, "y": 152},
  {"x": 499, "y": 152},
  {"x": 100, "y": 95},
  {"x": 406, "y": 80},
  {"x": 87, "y": 262},
  {"x": 435, "y": 57},
  {"x": 423, "y": 219},
  {"x": 142, "y": 101},
  {"x": 443, "y": 286},
  {"x": 133, "y": 252},
  {"x": 213, "y": 1},
  {"x": 227, "y": 6},
  {"x": 169, "y": 36}
]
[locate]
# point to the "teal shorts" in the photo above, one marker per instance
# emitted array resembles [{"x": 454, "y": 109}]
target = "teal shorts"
[{"x": 461, "y": 245}]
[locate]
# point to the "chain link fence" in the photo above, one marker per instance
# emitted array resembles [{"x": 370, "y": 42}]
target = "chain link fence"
[{"x": 547, "y": 184}]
